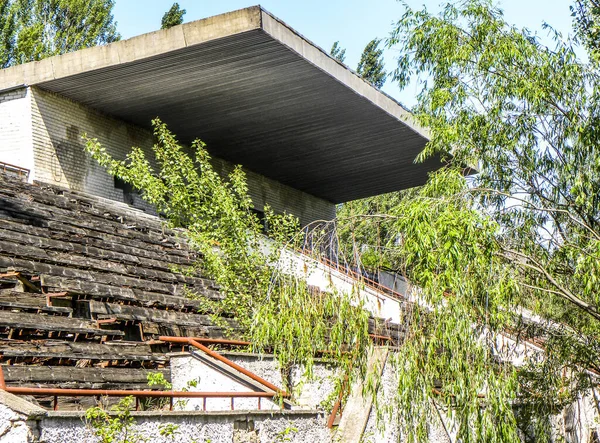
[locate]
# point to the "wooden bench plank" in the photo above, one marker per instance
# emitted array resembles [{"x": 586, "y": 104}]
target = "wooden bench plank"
[
  {"x": 80, "y": 350},
  {"x": 22, "y": 320},
  {"x": 155, "y": 330},
  {"x": 92, "y": 206},
  {"x": 77, "y": 242},
  {"x": 150, "y": 315},
  {"x": 20, "y": 208},
  {"x": 60, "y": 228},
  {"x": 57, "y": 374},
  {"x": 70, "y": 260},
  {"x": 137, "y": 296},
  {"x": 38, "y": 268}
]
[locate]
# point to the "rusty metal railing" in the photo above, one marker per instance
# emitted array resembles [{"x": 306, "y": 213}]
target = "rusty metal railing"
[
  {"x": 276, "y": 393},
  {"x": 353, "y": 275},
  {"x": 20, "y": 172},
  {"x": 60, "y": 392}
]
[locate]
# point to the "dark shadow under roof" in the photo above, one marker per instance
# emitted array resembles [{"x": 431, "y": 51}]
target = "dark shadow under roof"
[{"x": 258, "y": 94}]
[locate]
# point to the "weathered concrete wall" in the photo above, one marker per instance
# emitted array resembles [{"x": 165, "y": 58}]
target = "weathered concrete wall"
[
  {"x": 19, "y": 419},
  {"x": 280, "y": 197},
  {"x": 386, "y": 429},
  {"x": 59, "y": 123},
  {"x": 15, "y": 128},
  {"x": 309, "y": 394},
  {"x": 199, "y": 427},
  {"x": 23, "y": 422}
]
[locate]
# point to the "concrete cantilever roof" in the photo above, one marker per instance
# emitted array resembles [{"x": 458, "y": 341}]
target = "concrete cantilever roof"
[{"x": 258, "y": 93}]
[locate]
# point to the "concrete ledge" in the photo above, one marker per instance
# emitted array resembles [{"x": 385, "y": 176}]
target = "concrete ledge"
[
  {"x": 289, "y": 414},
  {"x": 21, "y": 406}
]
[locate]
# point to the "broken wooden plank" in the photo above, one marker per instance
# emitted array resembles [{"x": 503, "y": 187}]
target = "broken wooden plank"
[
  {"x": 124, "y": 312},
  {"x": 56, "y": 374},
  {"x": 30, "y": 301},
  {"x": 80, "y": 350},
  {"x": 23, "y": 320}
]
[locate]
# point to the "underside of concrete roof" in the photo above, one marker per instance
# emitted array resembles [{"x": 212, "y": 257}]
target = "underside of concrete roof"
[{"x": 258, "y": 93}]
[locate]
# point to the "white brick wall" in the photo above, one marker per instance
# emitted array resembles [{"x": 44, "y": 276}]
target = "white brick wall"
[
  {"x": 59, "y": 123},
  {"x": 15, "y": 129},
  {"x": 58, "y": 126}
]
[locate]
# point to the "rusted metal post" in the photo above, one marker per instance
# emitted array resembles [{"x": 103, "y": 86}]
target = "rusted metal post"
[
  {"x": 216, "y": 341},
  {"x": 232, "y": 407},
  {"x": 55, "y": 403},
  {"x": 68, "y": 392},
  {"x": 2, "y": 382}
]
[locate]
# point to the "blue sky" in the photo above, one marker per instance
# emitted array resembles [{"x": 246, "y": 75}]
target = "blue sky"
[{"x": 353, "y": 23}]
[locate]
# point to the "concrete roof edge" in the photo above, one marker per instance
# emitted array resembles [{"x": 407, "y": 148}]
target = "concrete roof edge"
[
  {"x": 194, "y": 33},
  {"x": 133, "y": 49},
  {"x": 21, "y": 406},
  {"x": 320, "y": 58},
  {"x": 13, "y": 88}
]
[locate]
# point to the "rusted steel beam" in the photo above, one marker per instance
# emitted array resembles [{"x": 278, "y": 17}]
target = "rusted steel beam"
[
  {"x": 134, "y": 393},
  {"x": 238, "y": 368},
  {"x": 216, "y": 341},
  {"x": 334, "y": 413},
  {"x": 381, "y": 337},
  {"x": 2, "y": 381}
]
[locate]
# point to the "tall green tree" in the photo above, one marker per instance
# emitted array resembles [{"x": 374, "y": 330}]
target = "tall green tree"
[
  {"x": 172, "y": 17},
  {"x": 337, "y": 52},
  {"x": 371, "y": 66},
  {"x": 8, "y": 28},
  {"x": 517, "y": 242},
  {"x": 586, "y": 14},
  {"x": 34, "y": 29}
]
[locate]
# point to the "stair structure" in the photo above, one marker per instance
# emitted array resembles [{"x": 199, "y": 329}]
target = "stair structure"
[
  {"x": 93, "y": 296},
  {"x": 87, "y": 286}
]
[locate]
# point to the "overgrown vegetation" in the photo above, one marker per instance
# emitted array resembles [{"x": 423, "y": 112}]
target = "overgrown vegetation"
[
  {"x": 115, "y": 426},
  {"x": 173, "y": 17},
  {"x": 275, "y": 310},
  {"x": 514, "y": 250},
  {"x": 371, "y": 66}
]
